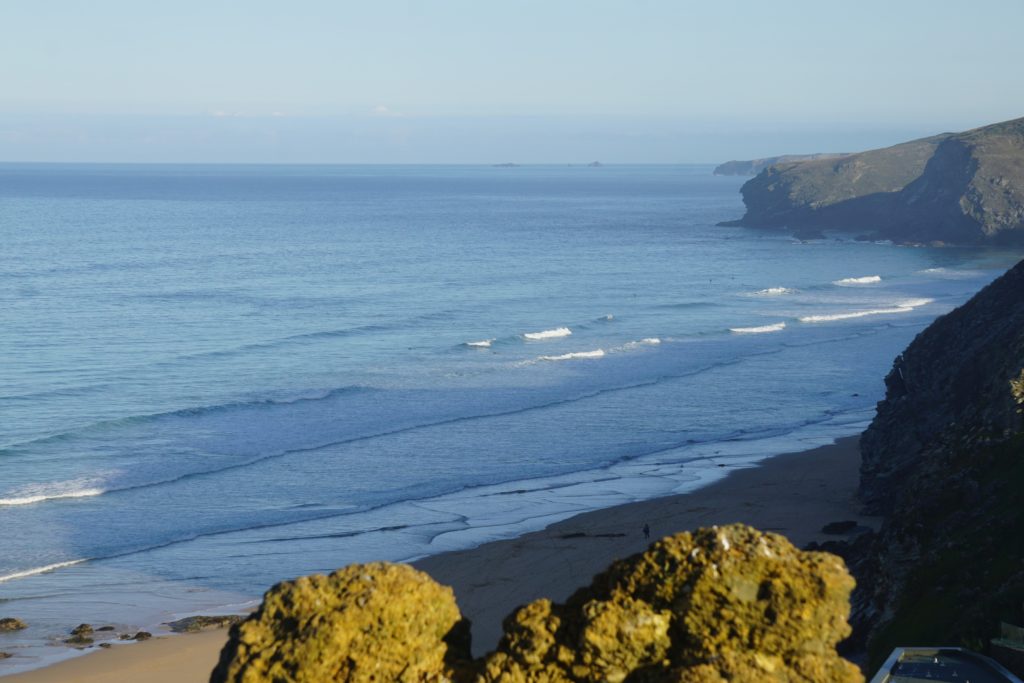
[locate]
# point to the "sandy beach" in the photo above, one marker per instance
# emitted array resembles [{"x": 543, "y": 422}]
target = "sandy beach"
[{"x": 792, "y": 494}]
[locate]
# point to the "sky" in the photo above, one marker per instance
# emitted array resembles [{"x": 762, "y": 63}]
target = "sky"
[{"x": 482, "y": 81}]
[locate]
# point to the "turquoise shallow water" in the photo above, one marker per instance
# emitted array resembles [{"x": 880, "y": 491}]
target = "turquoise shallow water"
[{"x": 216, "y": 377}]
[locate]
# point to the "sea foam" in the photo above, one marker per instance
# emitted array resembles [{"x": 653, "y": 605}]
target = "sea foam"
[
  {"x": 599, "y": 353},
  {"x": 905, "y": 307},
  {"x": 866, "y": 280},
  {"x": 548, "y": 334},
  {"x": 482, "y": 344},
  {"x": 774, "y": 291},
  {"x": 776, "y": 327},
  {"x": 39, "y": 570},
  {"x": 76, "y": 488}
]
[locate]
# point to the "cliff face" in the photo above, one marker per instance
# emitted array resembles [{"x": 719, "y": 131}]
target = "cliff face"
[
  {"x": 951, "y": 386},
  {"x": 943, "y": 462},
  {"x": 964, "y": 188}
]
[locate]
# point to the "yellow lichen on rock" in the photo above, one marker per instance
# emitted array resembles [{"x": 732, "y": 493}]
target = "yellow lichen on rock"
[
  {"x": 721, "y": 604},
  {"x": 374, "y": 622}
]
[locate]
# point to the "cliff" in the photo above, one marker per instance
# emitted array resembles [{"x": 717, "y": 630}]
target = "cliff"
[
  {"x": 943, "y": 461},
  {"x": 720, "y": 604},
  {"x": 958, "y": 188},
  {"x": 755, "y": 166}
]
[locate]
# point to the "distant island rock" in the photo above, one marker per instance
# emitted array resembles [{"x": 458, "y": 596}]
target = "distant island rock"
[
  {"x": 755, "y": 166},
  {"x": 954, "y": 188},
  {"x": 507, "y": 164},
  {"x": 595, "y": 164}
]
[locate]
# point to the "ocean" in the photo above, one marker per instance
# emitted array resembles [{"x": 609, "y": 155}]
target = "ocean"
[{"x": 217, "y": 377}]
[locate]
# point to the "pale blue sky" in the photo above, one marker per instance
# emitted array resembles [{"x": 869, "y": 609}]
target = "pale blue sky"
[{"x": 479, "y": 82}]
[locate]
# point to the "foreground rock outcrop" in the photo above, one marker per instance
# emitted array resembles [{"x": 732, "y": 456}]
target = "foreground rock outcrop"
[
  {"x": 372, "y": 622},
  {"x": 957, "y": 188},
  {"x": 720, "y": 604}
]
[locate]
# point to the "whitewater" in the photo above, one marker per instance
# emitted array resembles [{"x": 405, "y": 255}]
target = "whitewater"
[{"x": 218, "y": 377}]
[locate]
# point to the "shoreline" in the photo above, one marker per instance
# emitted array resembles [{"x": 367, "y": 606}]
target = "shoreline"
[{"x": 794, "y": 494}]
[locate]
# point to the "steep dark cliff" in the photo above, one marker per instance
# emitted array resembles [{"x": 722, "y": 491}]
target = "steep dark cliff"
[
  {"x": 961, "y": 188},
  {"x": 943, "y": 461}
]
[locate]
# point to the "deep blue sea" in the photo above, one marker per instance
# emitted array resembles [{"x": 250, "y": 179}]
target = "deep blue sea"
[{"x": 216, "y": 377}]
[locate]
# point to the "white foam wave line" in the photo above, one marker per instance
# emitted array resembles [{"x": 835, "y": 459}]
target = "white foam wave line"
[
  {"x": 774, "y": 291},
  {"x": 905, "y": 307},
  {"x": 758, "y": 330},
  {"x": 482, "y": 344},
  {"x": 599, "y": 353},
  {"x": 548, "y": 334},
  {"x": 866, "y": 280},
  {"x": 646, "y": 341},
  {"x": 948, "y": 273},
  {"x": 39, "y": 570},
  {"x": 38, "y": 498}
]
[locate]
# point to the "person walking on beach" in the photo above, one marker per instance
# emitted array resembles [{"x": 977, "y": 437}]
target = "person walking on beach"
[{"x": 647, "y": 532}]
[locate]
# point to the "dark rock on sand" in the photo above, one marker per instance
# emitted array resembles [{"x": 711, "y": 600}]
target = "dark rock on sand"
[
  {"x": 201, "y": 623},
  {"x": 105, "y": 628},
  {"x": 79, "y": 640},
  {"x": 141, "y": 635},
  {"x": 82, "y": 630},
  {"x": 5, "y": 655},
  {"x": 11, "y": 624}
]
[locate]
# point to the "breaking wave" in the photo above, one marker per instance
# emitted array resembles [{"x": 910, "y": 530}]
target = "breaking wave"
[
  {"x": 482, "y": 344},
  {"x": 76, "y": 488},
  {"x": 774, "y": 291},
  {"x": 758, "y": 330},
  {"x": 866, "y": 280},
  {"x": 548, "y": 334},
  {"x": 905, "y": 307},
  {"x": 39, "y": 570},
  {"x": 599, "y": 353}
]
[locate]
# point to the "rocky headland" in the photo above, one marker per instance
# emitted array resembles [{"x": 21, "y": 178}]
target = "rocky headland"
[
  {"x": 755, "y": 166},
  {"x": 954, "y": 188}
]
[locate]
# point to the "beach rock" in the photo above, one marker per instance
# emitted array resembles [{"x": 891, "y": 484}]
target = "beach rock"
[
  {"x": 200, "y": 623},
  {"x": 141, "y": 635},
  {"x": 82, "y": 630},
  {"x": 721, "y": 604},
  {"x": 5, "y": 655},
  {"x": 11, "y": 624},
  {"x": 105, "y": 628},
  {"x": 366, "y": 622},
  {"x": 79, "y": 640}
]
